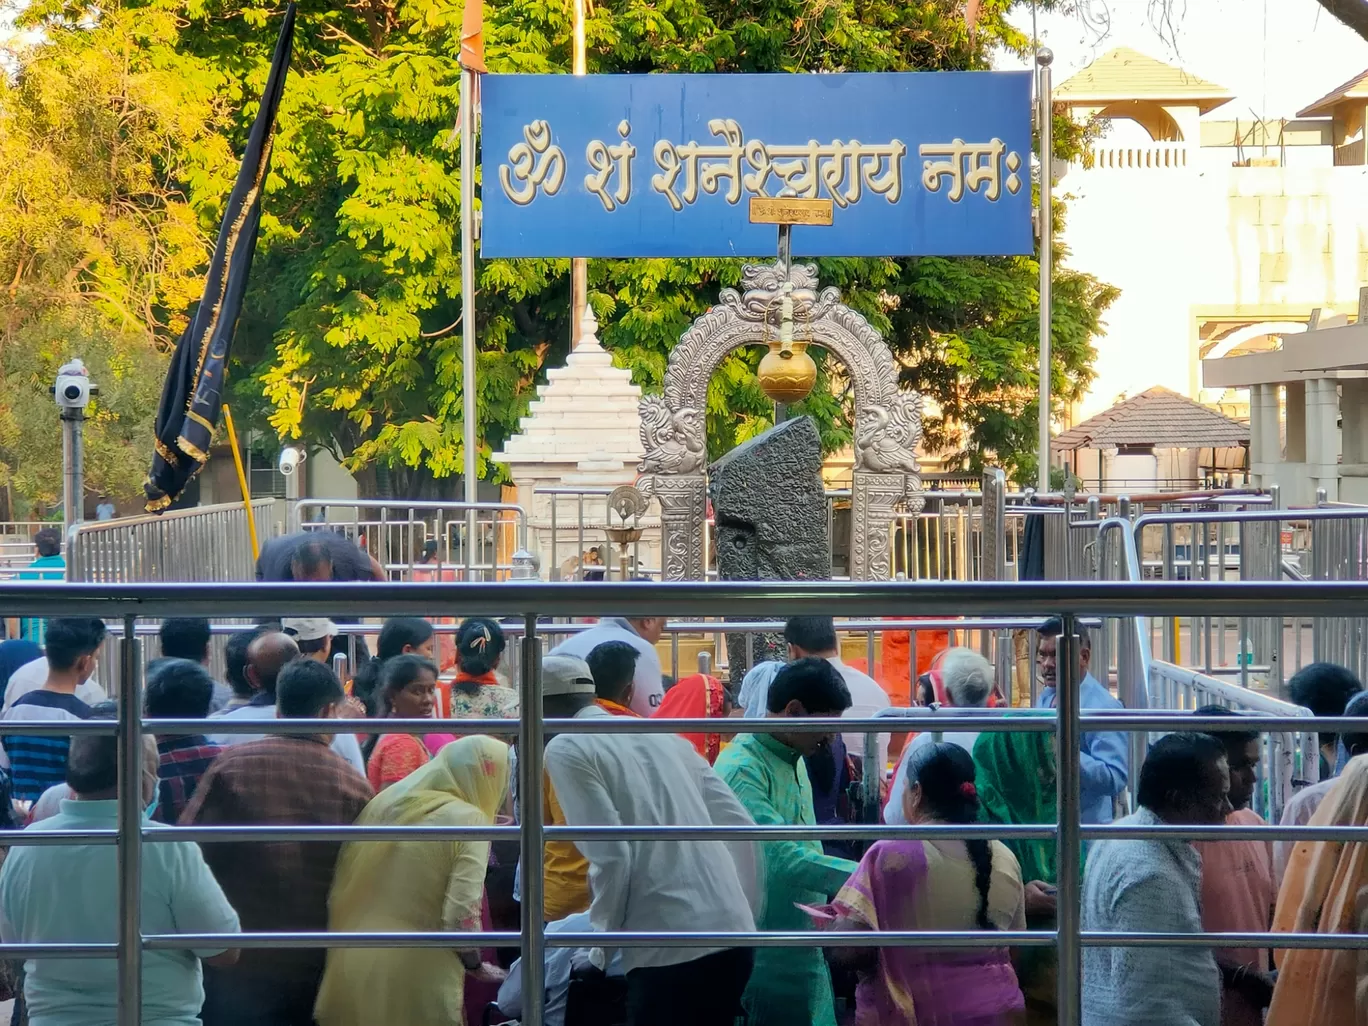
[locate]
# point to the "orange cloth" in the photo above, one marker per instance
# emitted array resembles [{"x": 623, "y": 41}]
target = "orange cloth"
[
  {"x": 615, "y": 709},
  {"x": 393, "y": 758},
  {"x": 446, "y": 643},
  {"x": 1238, "y": 895},
  {"x": 1320, "y": 894},
  {"x": 897, "y": 674},
  {"x": 696, "y": 697},
  {"x": 566, "y": 870}
]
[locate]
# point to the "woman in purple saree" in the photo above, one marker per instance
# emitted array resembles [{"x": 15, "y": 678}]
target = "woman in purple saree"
[{"x": 935, "y": 885}]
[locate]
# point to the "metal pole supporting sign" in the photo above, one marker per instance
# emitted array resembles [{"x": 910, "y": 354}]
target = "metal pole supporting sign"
[{"x": 1044, "y": 58}]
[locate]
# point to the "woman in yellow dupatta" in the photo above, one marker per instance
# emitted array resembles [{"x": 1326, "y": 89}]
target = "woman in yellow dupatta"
[
  {"x": 1320, "y": 894},
  {"x": 414, "y": 886}
]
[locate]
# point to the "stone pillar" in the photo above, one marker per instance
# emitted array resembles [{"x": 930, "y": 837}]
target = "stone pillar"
[
  {"x": 1354, "y": 420},
  {"x": 1295, "y": 407},
  {"x": 1322, "y": 437}
]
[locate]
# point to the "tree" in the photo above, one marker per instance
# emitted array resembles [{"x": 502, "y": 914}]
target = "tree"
[
  {"x": 1353, "y": 13},
  {"x": 112, "y": 163},
  {"x": 350, "y": 338}
]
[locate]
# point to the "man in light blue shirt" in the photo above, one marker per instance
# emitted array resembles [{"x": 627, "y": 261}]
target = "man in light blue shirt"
[
  {"x": 1102, "y": 761},
  {"x": 70, "y": 894},
  {"x": 561, "y": 966}
]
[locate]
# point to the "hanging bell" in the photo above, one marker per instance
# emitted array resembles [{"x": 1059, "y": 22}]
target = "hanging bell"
[{"x": 786, "y": 372}]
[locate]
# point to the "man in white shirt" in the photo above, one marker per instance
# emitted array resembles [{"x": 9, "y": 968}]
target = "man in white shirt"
[
  {"x": 561, "y": 965},
  {"x": 33, "y": 675},
  {"x": 642, "y": 633},
  {"x": 661, "y": 885},
  {"x": 266, "y": 657}
]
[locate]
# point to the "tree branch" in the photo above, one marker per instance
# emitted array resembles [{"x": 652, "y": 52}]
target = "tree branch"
[
  {"x": 1353, "y": 13},
  {"x": 333, "y": 32}
]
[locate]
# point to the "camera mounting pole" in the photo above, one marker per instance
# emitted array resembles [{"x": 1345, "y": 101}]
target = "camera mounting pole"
[{"x": 72, "y": 392}]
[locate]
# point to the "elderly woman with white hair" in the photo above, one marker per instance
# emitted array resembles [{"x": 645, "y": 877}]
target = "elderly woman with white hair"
[{"x": 966, "y": 682}]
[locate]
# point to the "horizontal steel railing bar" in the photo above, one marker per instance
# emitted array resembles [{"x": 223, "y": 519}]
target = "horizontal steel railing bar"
[
  {"x": 773, "y": 939},
  {"x": 989, "y": 623},
  {"x": 803, "y": 939},
  {"x": 987, "y": 831},
  {"x": 62, "y": 728},
  {"x": 1042, "y": 721},
  {"x": 617, "y": 725},
  {"x": 57, "y": 838},
  {"x": 687, "y": 598},
  {"x": 1103, "y": 939},
  {"x": 1251, "y": 516},
  {"x": 27, "y": 951}
]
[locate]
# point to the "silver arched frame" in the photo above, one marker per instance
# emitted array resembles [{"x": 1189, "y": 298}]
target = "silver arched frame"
[{"x": 887, "y": 420}]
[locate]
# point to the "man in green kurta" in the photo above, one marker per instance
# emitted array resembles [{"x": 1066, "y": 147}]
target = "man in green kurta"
[{"x": 789, "y": 986}]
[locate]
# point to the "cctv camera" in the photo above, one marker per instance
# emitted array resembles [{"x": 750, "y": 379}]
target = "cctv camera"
[
  {"x": 290, "y": 459},
  {"x": 73, "y": 388}
]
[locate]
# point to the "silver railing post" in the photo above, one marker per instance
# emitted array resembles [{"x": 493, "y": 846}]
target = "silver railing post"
[
  {"x": 531, "y": 759},
  {"x": 130, "y": 826},
  {"x": 1069, "y": 858}
]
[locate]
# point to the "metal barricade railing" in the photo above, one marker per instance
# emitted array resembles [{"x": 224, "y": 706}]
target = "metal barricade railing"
[
  {"x": 1264, "y": 545},
  {"x": 1287, "y": 759},
  {"x": 1069, "y": 600},
  {"x": 206, "y": 544},
  {"x": 590, "y": 527},
  {"x": 474, "y": 541}
]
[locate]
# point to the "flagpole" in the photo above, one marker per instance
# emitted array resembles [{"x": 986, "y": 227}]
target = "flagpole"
[
  {"x": 468, "y": 397},
  {"x": 579, "y": 267}
]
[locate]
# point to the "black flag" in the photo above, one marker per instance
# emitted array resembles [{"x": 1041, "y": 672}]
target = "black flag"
[{"x": 193, "y": 394}]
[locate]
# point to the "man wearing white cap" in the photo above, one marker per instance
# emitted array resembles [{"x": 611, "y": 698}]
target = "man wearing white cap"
[
  {"x": 313, "y": 634},
  {"x": 666, "y": 885}
]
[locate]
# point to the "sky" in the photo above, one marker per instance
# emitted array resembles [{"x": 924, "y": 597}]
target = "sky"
[{"x": 1276, "y": 56}]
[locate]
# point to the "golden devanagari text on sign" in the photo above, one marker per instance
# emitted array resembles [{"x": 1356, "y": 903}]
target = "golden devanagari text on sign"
[
  {"x": 609, "y": 160},
  {"x": 733, "y": 166},
  {"x": 535, "y": 164},
  {"x": 977, "y": 167}
]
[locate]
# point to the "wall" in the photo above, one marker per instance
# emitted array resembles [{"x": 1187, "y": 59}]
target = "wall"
[{"x": 1192, "y": 239}]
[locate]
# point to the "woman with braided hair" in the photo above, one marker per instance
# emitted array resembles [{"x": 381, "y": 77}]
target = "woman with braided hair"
[{"x": 935, "y": 885}]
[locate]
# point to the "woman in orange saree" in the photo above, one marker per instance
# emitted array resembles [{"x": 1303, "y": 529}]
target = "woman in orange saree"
[{"x": 1320, "y": 894}]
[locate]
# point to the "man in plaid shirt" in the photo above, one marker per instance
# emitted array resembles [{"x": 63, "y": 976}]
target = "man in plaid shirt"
[
  {"x": 181, "y": 690},
  {"x": 281, "y": 780}
]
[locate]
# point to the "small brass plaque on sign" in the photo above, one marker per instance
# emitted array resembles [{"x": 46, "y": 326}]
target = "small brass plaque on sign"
[{"x": 769, "y": 210}]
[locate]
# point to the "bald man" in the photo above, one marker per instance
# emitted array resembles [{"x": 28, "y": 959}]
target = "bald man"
[{"x": 266, "y": 657}]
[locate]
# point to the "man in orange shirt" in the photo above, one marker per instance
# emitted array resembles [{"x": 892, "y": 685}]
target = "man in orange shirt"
[{"x": 1238, "y": 892}]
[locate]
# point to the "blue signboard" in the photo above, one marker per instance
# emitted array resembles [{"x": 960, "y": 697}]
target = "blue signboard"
[{"x": 665, "y": 165}]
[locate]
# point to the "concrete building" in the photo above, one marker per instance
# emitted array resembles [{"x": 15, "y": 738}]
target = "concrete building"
[
  {"x": 1221, "y": 232},
  {"x": 1308, "y": 409}
]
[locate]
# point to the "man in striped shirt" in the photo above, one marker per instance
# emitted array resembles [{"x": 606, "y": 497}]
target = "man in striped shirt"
[{"x": 37, "y": 763}]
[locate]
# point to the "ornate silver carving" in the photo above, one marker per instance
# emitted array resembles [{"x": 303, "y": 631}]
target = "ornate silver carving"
[
  {"x": 886, "y": 436},
  {"x": 673, "y": 438},
  {"x": 887, "y": 420}
]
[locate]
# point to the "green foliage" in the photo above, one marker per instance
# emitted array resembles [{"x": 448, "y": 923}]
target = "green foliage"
[
  {"x": 118, "y": 426},
  {"x": 351, "y": 337},
  {"x": 112, "y": 164}
]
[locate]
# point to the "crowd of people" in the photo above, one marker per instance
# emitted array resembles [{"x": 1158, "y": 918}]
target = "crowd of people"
[{"x": 787, "y": 774}]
